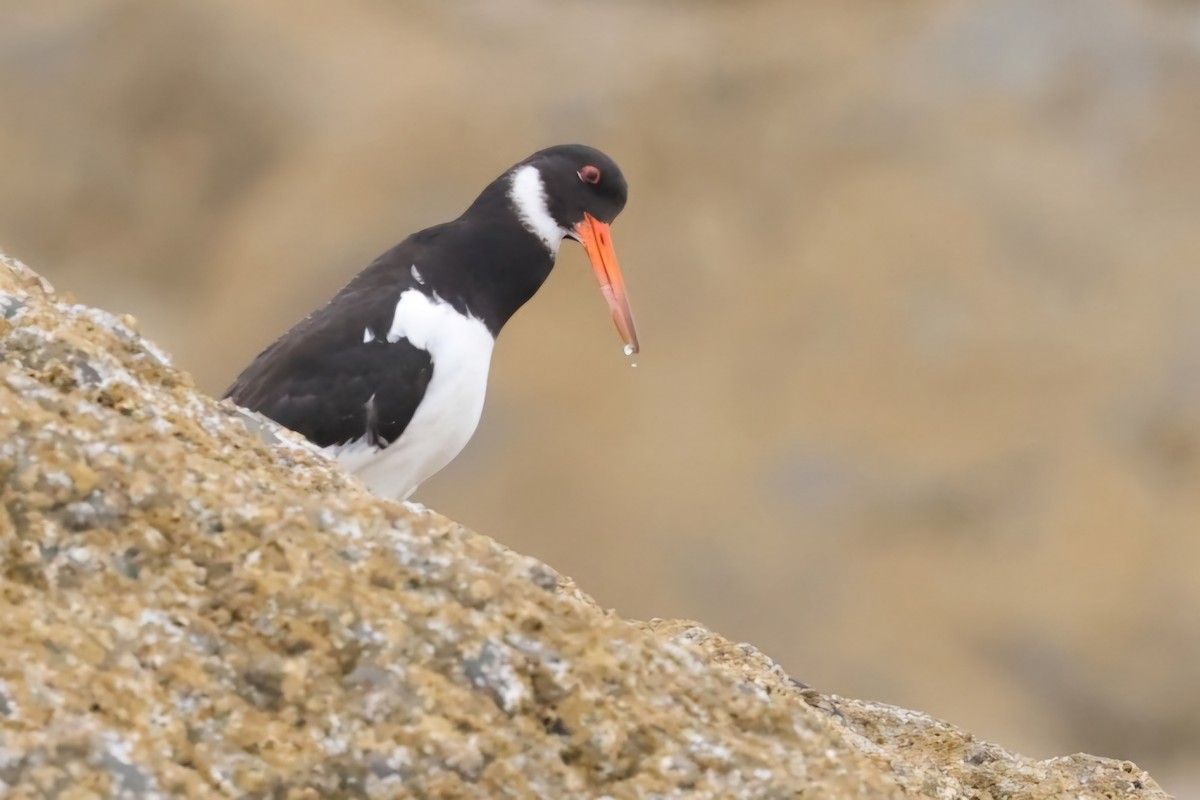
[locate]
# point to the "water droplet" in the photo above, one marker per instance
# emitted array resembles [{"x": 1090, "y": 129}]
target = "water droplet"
[{"x": 629, "y": 350}]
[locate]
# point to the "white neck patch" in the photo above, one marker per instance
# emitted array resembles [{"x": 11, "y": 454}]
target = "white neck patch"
[{"x": 528, "y": 196}]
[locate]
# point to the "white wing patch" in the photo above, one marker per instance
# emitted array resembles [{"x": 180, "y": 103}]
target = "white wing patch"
[
  {"x": 461, "y": 349},
  {"x": 368, "y": 335},
  {"x": 528, "y": 196},
  {"x": 417, "y": 276}
]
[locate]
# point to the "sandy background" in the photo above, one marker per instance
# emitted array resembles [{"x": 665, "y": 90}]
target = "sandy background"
[{"x": 918, "y": 285}]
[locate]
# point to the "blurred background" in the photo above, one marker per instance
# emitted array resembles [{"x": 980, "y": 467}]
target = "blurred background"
[{"x": 918, "y": 411}]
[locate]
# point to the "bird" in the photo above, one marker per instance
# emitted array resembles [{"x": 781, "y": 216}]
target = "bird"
[{"x": 389, "y": 376}]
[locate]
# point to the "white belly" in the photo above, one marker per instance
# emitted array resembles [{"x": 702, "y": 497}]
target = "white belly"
[{"x": 461, "y": 349}]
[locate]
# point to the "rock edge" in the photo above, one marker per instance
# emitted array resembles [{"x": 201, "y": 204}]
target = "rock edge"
[{"x": 197, "y": 605}]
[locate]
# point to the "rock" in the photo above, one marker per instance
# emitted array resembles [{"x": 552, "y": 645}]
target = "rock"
[{"x": 196, "y": 604}]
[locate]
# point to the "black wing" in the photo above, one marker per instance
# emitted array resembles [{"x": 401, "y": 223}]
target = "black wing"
[{"x": 323, "y": 381}]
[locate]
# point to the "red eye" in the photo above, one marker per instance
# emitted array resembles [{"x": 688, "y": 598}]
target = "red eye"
[{"x": 590, "y": 174}]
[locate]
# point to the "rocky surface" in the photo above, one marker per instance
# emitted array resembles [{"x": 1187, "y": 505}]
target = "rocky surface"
[{"x": 193, "y": 606}]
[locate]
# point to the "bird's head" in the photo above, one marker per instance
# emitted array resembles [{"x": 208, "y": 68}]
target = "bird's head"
[{"x": 575, "y": 192}]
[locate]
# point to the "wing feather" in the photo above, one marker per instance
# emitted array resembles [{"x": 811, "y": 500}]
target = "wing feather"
[{"x": 323, "y": 381}]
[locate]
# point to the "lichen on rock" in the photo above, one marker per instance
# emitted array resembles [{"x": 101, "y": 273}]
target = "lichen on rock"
[{"x": 196, "y": 604}]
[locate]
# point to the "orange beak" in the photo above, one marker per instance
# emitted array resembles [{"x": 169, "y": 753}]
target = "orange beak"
[{"x": 597, "y": 240}]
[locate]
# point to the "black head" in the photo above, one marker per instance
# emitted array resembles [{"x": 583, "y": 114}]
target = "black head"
[
  {"x": 574, "y": 191},
  {"x": 569, "y": 191},
  {"x": 579, "y": 179}
]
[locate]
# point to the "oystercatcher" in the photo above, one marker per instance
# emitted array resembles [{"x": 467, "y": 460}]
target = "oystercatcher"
[{"x": 389, "y": 376}]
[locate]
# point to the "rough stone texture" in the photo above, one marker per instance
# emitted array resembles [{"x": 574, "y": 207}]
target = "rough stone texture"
[{"x": 192, "y": 608}]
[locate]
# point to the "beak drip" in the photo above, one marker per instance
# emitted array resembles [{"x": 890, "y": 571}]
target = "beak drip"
[{"x": 596, "y": 237}]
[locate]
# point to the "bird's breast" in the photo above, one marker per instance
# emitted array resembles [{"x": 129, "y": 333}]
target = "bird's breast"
[{"x": 460, "y": 347}]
